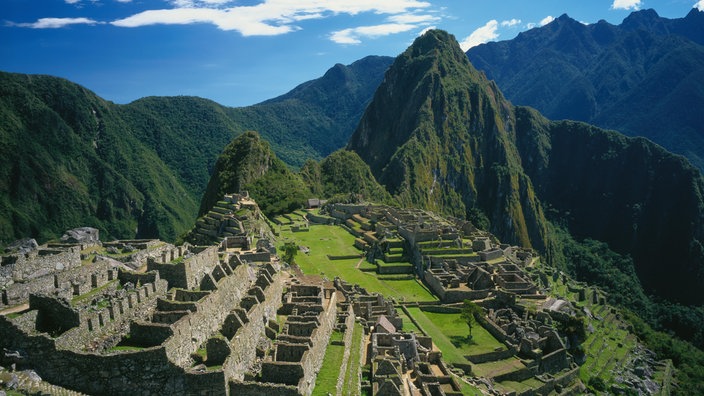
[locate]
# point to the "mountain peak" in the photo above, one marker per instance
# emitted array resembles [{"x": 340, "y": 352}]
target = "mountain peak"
[
  {"x": 433, "y": 125},
  {"x": 644, "y": 19},
  {"x": 433, "y": 41}
]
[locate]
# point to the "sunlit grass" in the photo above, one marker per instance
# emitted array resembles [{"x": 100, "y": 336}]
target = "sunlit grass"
[{"x": 324, "y": 240}]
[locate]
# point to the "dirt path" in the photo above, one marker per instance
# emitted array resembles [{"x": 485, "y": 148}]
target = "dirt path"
[
  {"x": 17, "y": 308},
  {"x": 359, "y": 263}
]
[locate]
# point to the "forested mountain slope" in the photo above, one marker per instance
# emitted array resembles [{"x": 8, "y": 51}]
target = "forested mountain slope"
[{"x": 643, "y": 77}]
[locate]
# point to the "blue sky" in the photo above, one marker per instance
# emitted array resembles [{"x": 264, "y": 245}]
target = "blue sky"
[{"x": 241, "y": 52}]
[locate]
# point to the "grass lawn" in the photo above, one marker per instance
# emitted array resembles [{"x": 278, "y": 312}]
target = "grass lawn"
[
  {"x": 324, "y": 240},
  {"x": 326, "y": 382},
  {"x": 408, "y": 326},
  {"x": 350, "y": 386},
  {"x": 451, "y": 332},
  {"x": 518, "y": 387},
  {"x": 450, "y": 353},
  {"x": 498, "y": 367}
]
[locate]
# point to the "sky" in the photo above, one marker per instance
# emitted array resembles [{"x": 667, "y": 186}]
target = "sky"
[{"x": 242, "y": 52}]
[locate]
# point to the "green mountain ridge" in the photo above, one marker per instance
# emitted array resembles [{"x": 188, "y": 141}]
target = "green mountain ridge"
[
  {"x": 641, "y": 77},
  {"x": 249, "y": 164},
  {"x": 437, "y": 136},
  {"x": 70, "y": 160},
  {"x": 73, "y": 159}
]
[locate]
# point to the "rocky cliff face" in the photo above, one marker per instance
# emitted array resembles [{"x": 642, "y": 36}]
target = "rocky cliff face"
[
  {"x": 628, "y": 192},
  {"x": 441, "y": 136}
]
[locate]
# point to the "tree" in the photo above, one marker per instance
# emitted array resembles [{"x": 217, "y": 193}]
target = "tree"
[
  {"x": 290, "y": 250},
  {"x": 468, "y": 314}
]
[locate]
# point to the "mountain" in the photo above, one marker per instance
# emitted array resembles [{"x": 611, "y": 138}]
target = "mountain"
[
  {"x": 642, "y": 77},
  {"x": 343, "y": 173},
  {"x": 72, "y": 159},
  {"x": 317, "y": 117},
  {"x": 439, "y": 135},
  {"x": 69, "y": 159},
  {"x": 249, "y": 164}
]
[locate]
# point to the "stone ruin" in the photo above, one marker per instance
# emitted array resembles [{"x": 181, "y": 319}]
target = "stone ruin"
[
  {"x": 236, "y": 215},
  {"x": 69, "y": 268},
  {"x": 532, "y": 337},
  {"x": 191, "y": 320},
  {"x": 368, "y": 308}
]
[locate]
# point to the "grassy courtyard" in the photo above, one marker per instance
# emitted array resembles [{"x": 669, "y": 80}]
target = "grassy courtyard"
[
  {"x": 450, "y": 335},
  {"x": 324, "y": 240}
]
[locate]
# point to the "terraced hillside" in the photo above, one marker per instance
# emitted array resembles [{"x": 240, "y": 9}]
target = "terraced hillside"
[{"x": 372, "y": 300}]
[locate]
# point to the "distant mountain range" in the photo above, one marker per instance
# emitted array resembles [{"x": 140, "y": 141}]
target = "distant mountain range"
[
  {"x": 644, "y": 77},
  {"x": 70, "y": 158}
]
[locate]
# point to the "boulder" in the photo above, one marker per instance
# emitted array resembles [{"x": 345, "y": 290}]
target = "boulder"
[
  {"x": 22, "y": 246},
  {"x": 83, "y": 235}
]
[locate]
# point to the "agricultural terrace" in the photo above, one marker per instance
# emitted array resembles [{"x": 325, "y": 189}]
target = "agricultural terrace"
[{"x": 321, "y": 242}]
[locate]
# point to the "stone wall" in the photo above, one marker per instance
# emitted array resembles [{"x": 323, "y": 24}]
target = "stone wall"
[
  {"x": 45, "y": 262},
  {"x": 114, "y": 374},
  {"x": 34, "y": 272},
  {"x": 449, "y": 295},
  {"x": 320, "y": 340},
  {"x": 186, "y": 274},
  {"x": 18, "y": 293},
  {"x": 244, "y": 342},
  {"x": 347, "y": 339},
  {"x": 554, "y": 361},
  {"x": 298, "y": 363},
  {"x": 53, "y": 315},
  {"x": 259, "y": 257},
  {"x": 211, "y": 383},
  {"x": 493, "y": 329},
  {"x": 82, "y": 279},
  {"x": 192, "y": 330},
  {"x": 491, "y": 356},
  {"x": 258, "y": 389},
  {"x": 94, "y": 324}
]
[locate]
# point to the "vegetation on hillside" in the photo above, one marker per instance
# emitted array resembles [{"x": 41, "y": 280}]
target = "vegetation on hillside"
[
  {"x": 248, "y": 164},
  {"x": 317, "y": 117},
  {"x": 641, "y": 77},
  {"x": 438, "y": 135},
  {"x": 70, "y": 160},
  {"x": 343, "y": 173}
]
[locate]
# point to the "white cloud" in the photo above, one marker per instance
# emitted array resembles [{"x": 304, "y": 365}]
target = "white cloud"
[
  {"x": 54, "y": 23},
  {"x": 422, "y": 32},
  {"x": 223, "y": 19},
  {"x": 626, "y": 5},
  {"x": 546, "y": 20},
  {"x": 414, "y": 18},
  {"x": 72, "y": 1},
  {"x": 699, "y": 5},
  {"x": 354, "y": 35},
  {"x": 482, "y": 35},
  {"x": 513, "y": 22},
  {"x": 273, "y": 17}
]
